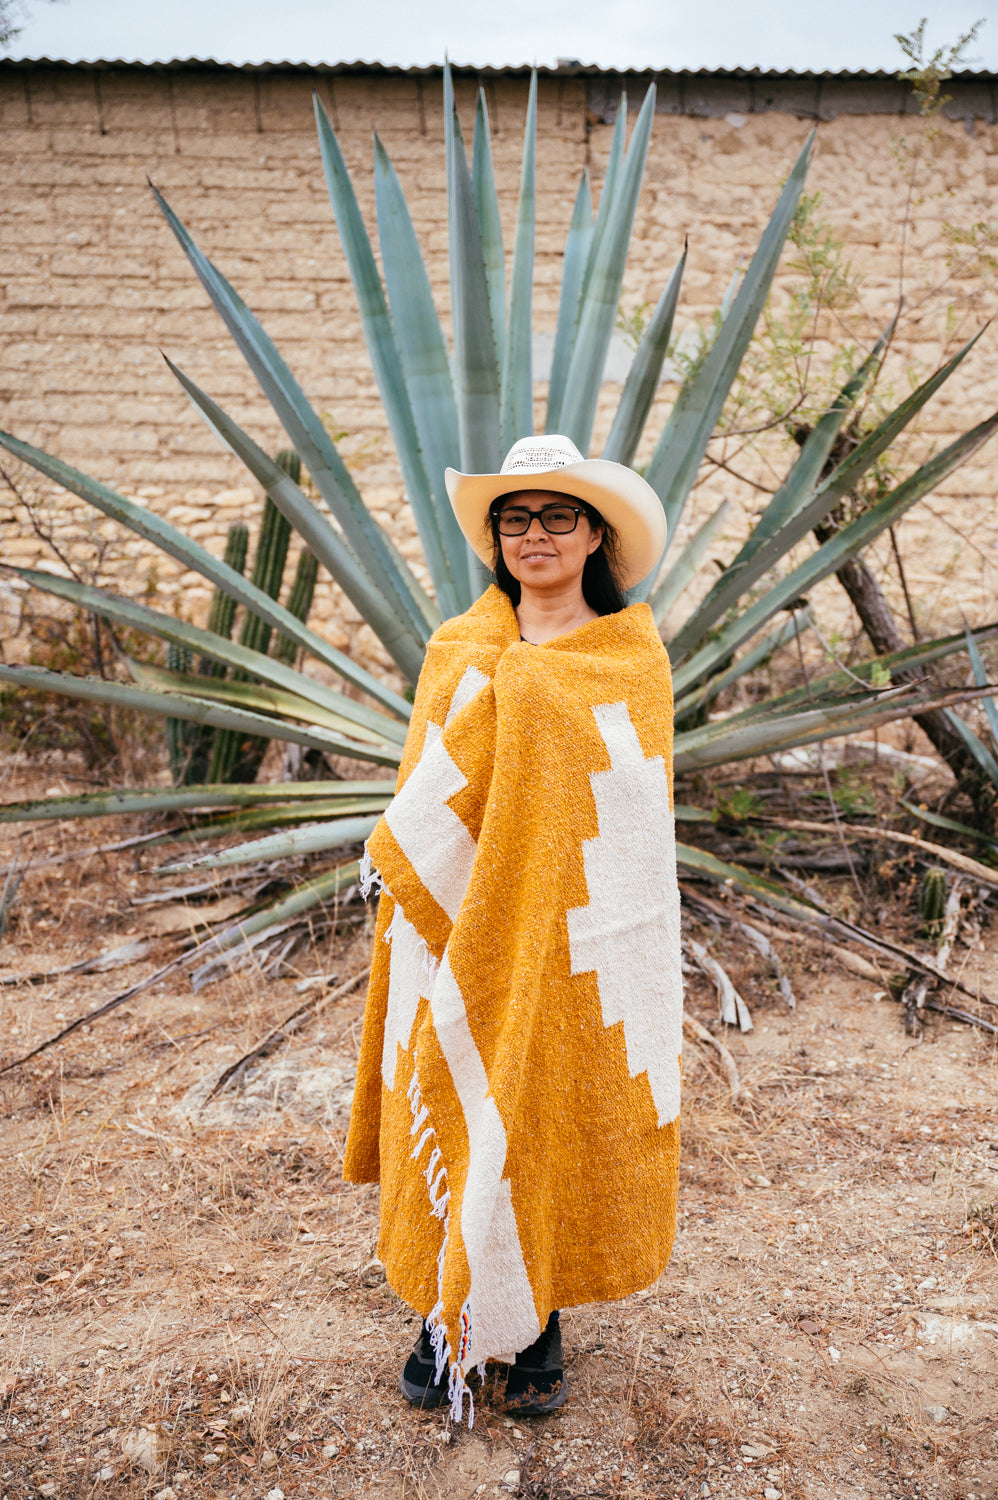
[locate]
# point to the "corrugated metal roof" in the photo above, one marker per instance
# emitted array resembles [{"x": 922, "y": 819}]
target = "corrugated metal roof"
[{"x": 563, "y": 69}]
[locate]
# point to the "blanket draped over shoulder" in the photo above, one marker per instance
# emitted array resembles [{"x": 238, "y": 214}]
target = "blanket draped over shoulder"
[{"x": 518, "y": 1086}]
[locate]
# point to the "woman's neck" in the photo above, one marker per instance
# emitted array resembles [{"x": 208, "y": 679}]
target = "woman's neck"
[{"x": 541, "y": 617}]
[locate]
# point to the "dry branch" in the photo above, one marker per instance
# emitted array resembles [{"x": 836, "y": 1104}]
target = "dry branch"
[
  {"x": 700, "y": 1033},
  {"x": 283, "y": 1031},
  {"x": 964, "y": 862}
]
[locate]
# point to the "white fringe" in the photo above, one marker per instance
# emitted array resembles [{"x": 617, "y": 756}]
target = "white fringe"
[
  {"x": 369, "y": 876},
  {"x": 439, "y": 1195}
]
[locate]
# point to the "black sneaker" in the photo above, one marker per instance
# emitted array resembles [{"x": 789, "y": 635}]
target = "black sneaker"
[
  {"x": 536, "y": 1382},
  {"x": 418, "y": 1381}
]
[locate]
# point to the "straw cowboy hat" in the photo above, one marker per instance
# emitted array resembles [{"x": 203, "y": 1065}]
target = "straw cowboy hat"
[{"x": 552, "y": 462}]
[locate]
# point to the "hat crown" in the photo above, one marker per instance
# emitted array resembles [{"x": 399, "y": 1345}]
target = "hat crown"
[{"x": 539, "y": 455}]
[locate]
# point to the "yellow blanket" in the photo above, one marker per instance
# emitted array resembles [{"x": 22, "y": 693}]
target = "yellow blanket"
[{"x": 518, "y": 1086}]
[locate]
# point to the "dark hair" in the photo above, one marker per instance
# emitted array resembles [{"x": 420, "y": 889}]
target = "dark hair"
[{"x": 600, "y": 588}]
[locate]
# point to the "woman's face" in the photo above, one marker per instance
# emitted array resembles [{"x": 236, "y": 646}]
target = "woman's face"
[{"x": 548, "y": 562}]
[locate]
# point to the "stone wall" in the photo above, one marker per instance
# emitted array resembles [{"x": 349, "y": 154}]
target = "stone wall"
[{"x": 93, "y": 286}]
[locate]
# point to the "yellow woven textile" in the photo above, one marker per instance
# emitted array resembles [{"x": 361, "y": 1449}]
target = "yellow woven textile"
[{"x": 518, "y": 1086}]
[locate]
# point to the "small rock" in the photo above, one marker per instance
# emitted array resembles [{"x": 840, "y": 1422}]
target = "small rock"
[
  {"x": 834, "y": 1355},
  {"x": 144, "y": 1448},
  {"x": 511, "y": 1478},
  {"x": 269, "y": 1460},
  {"x": 938, "y": 1413},
  {"x": 106, "y": 1473},
  {"x": 168, "y": 1494},
  {"x": 48, "y": 1490},
  {"x": 928, "y": 1285},
  {"x": 329, "y": 1450},
  {"x": 210, "y": 1458},
  {"x": 771, "y": 1494},
  {"x": 275, "y": 1494}
]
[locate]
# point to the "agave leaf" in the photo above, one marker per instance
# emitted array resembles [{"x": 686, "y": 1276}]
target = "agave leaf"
[
  {"x": 756, "y": 656},
  {"x": 425, "y": 362},
  {"x": 260, "y": 819},
  {"x": 681, "y": 446},
  {"x": 252, "y": 695},
  {"x": 729, "y": 740},
  {"x": 517, "y": 387},
  {"x": 981, "y": 678},
  {"x": 329, "y": 546},
  {"x": 287, "y": 815},
  {"x": 982, "y": 755},
  {"x": 199, "y": 711},
  {"x": 173, "y": 542},
  {"x": 450, "y": 116},
  {"x": 950, "y": 824},
  {"x": 611, "y": 181},
  {"x": 601, "y": 291},
  {"x": 698, "y": 863},
  {"x": 676, "y": 578},
  {"x": 311, "y": 894},
  {"x": 306, "y": 432},
  {"x": 476, "y": 366},
  {"x": 573, "y": 268},
  {"x": 376, "y": 726},
  {"x": 384, "y": 352},
  {"x": 814, "y": 453},
  {"x": 807, "y": 510},
  {"x": 483, "y": 183},
  {"x": 643, "y": 376},
  {"x": 839, "y": 683},
  {"x": 191, "y": 798},
  {"x": 844, "y": 544},
  {"x": 311, "y": 840},
  {"x": 799, "y": 484}
]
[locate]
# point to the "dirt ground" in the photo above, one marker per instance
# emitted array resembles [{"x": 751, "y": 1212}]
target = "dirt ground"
[{"x": 191, "y": 1303}]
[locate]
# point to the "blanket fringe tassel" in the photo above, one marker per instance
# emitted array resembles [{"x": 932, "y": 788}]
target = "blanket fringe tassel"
[
  {"x": 439, "y": 1195},
  {"x": 438, "y": 1191}
]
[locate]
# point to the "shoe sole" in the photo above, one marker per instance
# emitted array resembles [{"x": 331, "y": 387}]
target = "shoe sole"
[
  {"x": 526, "y": 1406},
  {"x": 426, "y": 1396}
]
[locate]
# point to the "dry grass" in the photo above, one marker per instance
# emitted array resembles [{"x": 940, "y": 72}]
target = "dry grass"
[{"x": 190, "y": 1301}]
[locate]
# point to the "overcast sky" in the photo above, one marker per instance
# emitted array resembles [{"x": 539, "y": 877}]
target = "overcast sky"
[{"x": 800, "y": 34}]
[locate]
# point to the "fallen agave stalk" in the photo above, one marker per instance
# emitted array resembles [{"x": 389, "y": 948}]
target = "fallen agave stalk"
[
  {"x": 132, "y": 952},
  {"x": 307, "y": 896},
  {"x": 963, "y": 862},
  {"x": 233, "y": 1075},
  {"x": 734, "y": 1011},
  {"x": 699, "y": 1033},
  {"x": 822, "y": 937}
]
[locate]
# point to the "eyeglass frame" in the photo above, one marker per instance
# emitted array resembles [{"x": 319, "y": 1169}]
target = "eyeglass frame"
[{"x": 498, "y": 511}]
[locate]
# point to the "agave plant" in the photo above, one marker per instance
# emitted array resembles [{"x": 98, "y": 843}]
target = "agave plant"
[{"x": 464, "y": 406}]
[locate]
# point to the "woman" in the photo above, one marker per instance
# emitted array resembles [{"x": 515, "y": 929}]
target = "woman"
[{"x": 518, "y": 1085}]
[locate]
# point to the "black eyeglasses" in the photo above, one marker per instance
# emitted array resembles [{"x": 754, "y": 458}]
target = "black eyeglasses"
[{"x": 557, "y": 519}]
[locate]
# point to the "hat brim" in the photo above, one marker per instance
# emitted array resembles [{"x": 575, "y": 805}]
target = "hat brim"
[{"x": 624, "y": 500}]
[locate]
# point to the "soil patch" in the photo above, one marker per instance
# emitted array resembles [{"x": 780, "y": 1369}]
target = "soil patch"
[{"x": 191, "y": 1302}]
